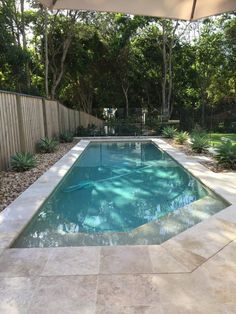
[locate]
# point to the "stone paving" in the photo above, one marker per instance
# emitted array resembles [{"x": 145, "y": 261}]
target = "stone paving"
[{"x": 193, "y": 272}]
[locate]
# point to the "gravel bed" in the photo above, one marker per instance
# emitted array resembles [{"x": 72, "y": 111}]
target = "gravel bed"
[
  {"x": 210, "y": 163},
  {"x": 12, "y": 184}
]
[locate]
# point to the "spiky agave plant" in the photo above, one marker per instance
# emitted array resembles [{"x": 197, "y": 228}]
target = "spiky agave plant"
[
  {"x": 226, "y": 154},
  {"x": 47, "y": 145},
  {"x": 22, "y": 162},
  {"x": 66, "y": 137},
  {"x": 200, "y": 142},
  {"x": 181, "y": 137},
  {"x": 169, "y": 132}
]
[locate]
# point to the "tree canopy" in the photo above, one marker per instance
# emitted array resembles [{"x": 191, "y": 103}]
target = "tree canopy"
[{"x": 93, "y": 61}]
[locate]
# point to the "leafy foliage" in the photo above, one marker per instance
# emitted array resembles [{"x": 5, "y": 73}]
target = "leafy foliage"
[
  {"x": 181, "y": 137},
  {"x": 47, "y": 145},
  {"x": 169, "y": 132},
  {"x": 82, "y": 131},
  {"x": 22, "y": 162},
  {"x": 89, "y": 131},
  {"x": 200, "y": 142},
  {"x": 107, "y": 60},
  {"x": 226, "y": 154},
  {"x": 66, "y": 137}
]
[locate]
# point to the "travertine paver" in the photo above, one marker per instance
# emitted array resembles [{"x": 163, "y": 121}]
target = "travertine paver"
[
  {"x": 185, "y": 257},
  {"x": 16, "y": 294},
  {"x": 11, "y": 227},
  {"x": 206, "y": 240},
  {"x": 73, "y": 261},
  {"x": 209, "y": 289},
  {"x": 22, "y": 210},
  {"x": 23, "y": 262},
  {"x": 228, "y": 214},
  {"x": 66, "y": 294},
  {"x": 127, "y": 290},
  {"x": 119, "y": 309},
  {"x": 5, "y": 239},
  {"x": 9, "y": 230},
  {"x": 163, "y": 262},
  {"x": 125, "y": 259}
]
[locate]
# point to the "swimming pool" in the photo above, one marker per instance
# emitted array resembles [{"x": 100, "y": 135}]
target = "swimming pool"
[{"x": 120, "y": 193}]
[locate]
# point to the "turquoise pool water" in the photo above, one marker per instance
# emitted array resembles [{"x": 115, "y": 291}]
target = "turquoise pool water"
[{"x": 112, "y": 190}]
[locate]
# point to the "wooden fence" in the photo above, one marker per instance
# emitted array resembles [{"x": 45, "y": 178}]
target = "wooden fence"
[{"x": 25, "y": 119}]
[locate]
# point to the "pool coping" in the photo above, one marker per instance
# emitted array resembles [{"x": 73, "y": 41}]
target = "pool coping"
[{"x": 182, "y": 253}]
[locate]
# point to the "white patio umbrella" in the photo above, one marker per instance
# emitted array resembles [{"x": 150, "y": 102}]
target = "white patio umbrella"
[{"x": 175, "y": 9}]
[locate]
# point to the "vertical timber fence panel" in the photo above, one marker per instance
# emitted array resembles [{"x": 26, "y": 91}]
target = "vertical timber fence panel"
[
  {"x": 52, "y": 118},
  {"x": 84, "y": 121},
  {"x": 9, "y": 128},
  {"x": 63, "y": 118},
  {"x": 25, "y": 119},
  {"x": 33, "y": 123},
  {"x": 72, "y": 120}
]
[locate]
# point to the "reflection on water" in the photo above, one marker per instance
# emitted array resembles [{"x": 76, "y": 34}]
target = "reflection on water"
[{"x": 113, "y": 189}]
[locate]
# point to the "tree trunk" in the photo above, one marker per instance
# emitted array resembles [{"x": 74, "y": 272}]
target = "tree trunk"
[
  {"x": 24, "y": 42},
  {"x": 57, "y": 72},
  {"x": 170, "y": 71},
  {"x": 125, "y": 91},
  {"x": 164, "y": 75},
  {"x": 46, "y": 52},
  {"x": 57, "y": 78},
  {"x": 168, "y": 39},
  {"x": 203, "y": 105}
]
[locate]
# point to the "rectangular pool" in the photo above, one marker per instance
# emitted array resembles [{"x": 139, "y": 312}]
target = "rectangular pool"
[{"x": 120, "y": 193}]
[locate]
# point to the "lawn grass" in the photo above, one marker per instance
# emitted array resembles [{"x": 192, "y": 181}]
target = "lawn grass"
[{"x": 215, "y": 138}]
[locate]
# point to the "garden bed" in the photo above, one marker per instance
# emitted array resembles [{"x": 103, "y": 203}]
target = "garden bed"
[
  {"x": 207, "y": 159},
  {"x": 12, "y": 184}
]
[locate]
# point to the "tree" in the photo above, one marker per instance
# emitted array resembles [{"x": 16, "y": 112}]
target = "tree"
[
  {"x": 60, "y": 35},
  {"x": 93, "y": 60}
]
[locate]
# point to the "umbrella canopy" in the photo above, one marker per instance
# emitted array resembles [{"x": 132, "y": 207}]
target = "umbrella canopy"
[{"x": 175, "y": 9}]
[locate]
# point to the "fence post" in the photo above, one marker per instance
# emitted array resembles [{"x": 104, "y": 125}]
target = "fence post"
[
  {"x": 21, "y": 124},
  {"x": 59, "y": 118},
  {"x": 68, "y": 114},
  {"x": 79, "y": 118},
  {"x": 45, "y": 118},
  {"x": 74, "y": 121}
]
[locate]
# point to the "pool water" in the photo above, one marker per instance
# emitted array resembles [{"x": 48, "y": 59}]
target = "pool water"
[{"x": 114, "y": 190}]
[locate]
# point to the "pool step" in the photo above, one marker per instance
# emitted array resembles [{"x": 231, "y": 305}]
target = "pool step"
[
  {"x": 179, "y": 220},
  {"x": 154, "y": 232}
]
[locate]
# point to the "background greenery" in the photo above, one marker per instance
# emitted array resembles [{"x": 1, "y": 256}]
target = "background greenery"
[{"x": 99, "y": 60}]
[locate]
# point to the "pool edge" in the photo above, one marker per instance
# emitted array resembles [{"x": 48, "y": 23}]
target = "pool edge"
[{"x": 218, "y": 183}]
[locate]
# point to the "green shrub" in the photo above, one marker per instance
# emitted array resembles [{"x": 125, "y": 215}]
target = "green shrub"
[
  {"x": 66, "y": 137},
  {"x": 181, "y": 137},
  {"x": 169, "y": 132},
  {"x": 89, "y": 131},
  {"x": 92, "y": 129},
  {"x": 127, "y": 130},
  {"x": 198, "y": 130},
  {"x": 200, "y": 142},
  {"x": 81, "y": 131},
  {"x": 47, "y": 145},
  {"x": 22, "y": 162},
  {"x": 226, "y": 154}
]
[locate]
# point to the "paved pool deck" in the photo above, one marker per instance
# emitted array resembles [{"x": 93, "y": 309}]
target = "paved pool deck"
[{"x": 193, "y": 272}]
